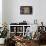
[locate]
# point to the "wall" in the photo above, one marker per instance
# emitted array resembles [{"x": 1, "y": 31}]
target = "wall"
[
  {"x": 4, "y": 11},
  {"x": 0, "y": 13},
  {"x": 12, "y": 11},
  {"x": 16, "y": 11},
  {"x": 43, "y": 11}
]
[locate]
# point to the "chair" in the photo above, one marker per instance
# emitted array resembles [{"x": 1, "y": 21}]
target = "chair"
[
  {"x": 9, "y": 42},
  {"x": 42, "y": 37}
]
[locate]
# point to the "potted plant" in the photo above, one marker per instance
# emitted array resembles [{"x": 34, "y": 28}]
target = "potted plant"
[{"x": 3, "y": 34}]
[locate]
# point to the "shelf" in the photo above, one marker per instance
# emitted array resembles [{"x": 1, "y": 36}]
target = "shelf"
[
  {"x": 19, "y": 32},
  {"x": 16, "y": 32},
  {"x": 12, "y": 32},
  {"x": 20, "y": 29},
  {"x": 23, "y": 25}
]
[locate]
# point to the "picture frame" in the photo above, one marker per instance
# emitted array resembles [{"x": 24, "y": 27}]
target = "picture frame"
[{"x": 26, "y": 10}]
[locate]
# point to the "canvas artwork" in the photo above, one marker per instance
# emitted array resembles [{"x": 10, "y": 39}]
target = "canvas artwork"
[{"x": 25, "y": 9}]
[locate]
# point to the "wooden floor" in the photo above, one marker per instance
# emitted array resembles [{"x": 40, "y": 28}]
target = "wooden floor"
[
  {"x": 42, "y": 45},
  {"x": 2, "y": 45},
  {"x": 32, "y": 45},
  {"x": 36, "y": 44}
]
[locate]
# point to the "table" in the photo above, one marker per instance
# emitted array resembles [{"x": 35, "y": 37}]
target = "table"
[
  {"x": 26, "y": 42},
  {"x": 23, "y": 42}
]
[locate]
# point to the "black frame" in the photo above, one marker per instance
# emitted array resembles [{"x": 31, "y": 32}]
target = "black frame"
[{"x": 26, "y": 10}]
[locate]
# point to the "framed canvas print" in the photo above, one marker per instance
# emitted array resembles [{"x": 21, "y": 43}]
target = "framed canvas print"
[{"x": 25, "y": 9}]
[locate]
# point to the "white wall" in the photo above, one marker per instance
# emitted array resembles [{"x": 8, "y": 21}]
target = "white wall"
[
  {"x": 43, "y": 11},
  {"x": 12, "y": 11},
  {"x": 16, "y": 16},
  {"x": 0, "y": 13},
  {"x": 4, "y": 11}
]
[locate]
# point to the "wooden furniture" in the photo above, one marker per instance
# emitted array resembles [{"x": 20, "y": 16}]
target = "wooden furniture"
[
  {"x": 17, "y": 42},
  {"x": 26, "y": 42},
  {"x": 42, "y": 37},
  {"x": 9, "y": 42},
  {"x": 23, "y": 42}
]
